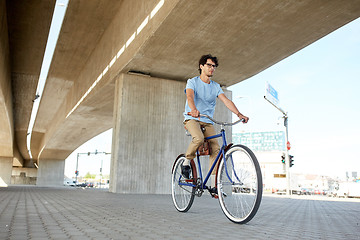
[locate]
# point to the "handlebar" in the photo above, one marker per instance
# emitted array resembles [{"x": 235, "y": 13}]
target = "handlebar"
[{"x": 218, "y": 122}]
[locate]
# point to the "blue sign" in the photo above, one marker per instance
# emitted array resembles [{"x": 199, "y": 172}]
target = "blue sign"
[{"x": 272, "y": 94}]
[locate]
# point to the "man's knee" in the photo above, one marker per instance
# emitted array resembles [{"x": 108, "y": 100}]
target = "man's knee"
[{"x": 198, "y": 140}]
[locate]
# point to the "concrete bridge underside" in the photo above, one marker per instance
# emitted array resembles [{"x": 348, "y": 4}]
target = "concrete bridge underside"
[{"x": 91, "y": 86}]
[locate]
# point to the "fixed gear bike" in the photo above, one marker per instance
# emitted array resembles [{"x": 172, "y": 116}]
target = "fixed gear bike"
[{"x": 238, "y": 180}]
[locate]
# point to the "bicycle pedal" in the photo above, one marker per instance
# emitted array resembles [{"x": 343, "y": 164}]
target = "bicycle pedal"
[{"x": 214, "y": 195}]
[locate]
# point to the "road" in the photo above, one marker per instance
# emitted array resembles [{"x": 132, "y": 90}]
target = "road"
[{"x": 29, "y": 212}]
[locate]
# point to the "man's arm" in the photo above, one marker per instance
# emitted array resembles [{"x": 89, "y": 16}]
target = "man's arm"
[
  {"x": 231, "y": 106},
  {"x": 190, "y": 98}
]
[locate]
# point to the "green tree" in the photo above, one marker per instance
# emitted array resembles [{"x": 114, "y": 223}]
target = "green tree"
[{"x": 89, "y": 175}]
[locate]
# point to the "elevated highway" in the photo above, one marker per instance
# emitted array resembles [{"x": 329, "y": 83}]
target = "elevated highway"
[{"x": 123, "y": 64}]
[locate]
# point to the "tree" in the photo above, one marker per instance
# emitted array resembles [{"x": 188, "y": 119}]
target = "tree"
[{"x": 89, "y": 175}]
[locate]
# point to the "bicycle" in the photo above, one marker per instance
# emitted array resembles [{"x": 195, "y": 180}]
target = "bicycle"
[{"x": 238, "y": 180}]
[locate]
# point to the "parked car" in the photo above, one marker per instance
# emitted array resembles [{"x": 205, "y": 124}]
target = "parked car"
[
  {"x": 305, "y": 191},
  {"x": 296, "y": 191},
  {"x": 69, "y": 183},
  {"x": 81, "y": 184}
]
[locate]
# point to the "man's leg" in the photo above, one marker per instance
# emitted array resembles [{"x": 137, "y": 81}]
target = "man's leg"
[
  {"x": 215, "y": 148},
  {"x": 194, "y": 129},
  {"x": 214, "y": 145}
]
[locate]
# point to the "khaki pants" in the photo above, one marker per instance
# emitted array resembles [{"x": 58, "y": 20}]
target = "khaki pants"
[{"x": 194, "y": 128}]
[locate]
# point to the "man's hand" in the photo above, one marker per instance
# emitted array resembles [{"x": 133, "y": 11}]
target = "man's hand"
[
  {"x": 246, "y": 119},
  {"x": 194, "y": 113}
]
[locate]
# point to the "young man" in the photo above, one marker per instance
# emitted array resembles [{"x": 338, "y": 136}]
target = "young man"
[{"x": 201, "y": 93}]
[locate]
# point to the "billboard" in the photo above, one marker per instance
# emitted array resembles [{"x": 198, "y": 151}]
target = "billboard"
[{"x": 261, "y": 141}]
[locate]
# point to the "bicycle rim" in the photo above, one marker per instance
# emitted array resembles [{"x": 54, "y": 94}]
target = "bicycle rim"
[
  {"x": 239, "y": 184},
  {"x": 182, "y": 195}
]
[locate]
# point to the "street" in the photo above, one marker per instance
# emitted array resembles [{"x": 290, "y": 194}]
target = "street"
[{"x": 30, "y": 212}]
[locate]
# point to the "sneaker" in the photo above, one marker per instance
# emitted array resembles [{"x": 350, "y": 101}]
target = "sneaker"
[
  {"x": 185, "y": 171},
  {"x": 213, "y": 192}
]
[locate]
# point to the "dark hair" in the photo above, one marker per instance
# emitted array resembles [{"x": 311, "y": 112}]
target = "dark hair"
[{"x": 204, "y": 59}]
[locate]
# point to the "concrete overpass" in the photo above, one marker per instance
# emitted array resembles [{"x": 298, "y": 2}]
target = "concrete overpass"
[{"x": 91, "y": 85}]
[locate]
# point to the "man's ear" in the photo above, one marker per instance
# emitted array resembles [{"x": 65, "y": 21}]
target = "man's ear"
[{"x": 201, "y": 67}]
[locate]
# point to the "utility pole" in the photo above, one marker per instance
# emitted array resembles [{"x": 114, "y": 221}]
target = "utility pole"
[
  {"x": 273, "y": 100},
  {"x": 88, "y": 153},
  {"x": 287, "y": 158}
]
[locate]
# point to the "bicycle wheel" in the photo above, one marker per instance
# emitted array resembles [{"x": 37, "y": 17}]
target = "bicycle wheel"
[
  {"x": 183, "y": 190},
  {"x": 239, "y": 184}
]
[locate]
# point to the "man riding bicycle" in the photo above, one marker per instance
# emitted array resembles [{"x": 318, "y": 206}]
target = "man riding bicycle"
[{"x": 201, "y": 93}]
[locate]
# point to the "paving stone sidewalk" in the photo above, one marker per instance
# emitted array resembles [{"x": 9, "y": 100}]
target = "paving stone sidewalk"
[{"x": 30, "y": 212}]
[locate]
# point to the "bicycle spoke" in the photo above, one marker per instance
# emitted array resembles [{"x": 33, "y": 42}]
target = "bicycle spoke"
[
  {"x": 183, "y": 190},
  {"x": 239, "y": 178}
]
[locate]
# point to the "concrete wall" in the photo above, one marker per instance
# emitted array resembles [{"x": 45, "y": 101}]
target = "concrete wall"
[
  {"x": 5, "y": 171},
  {"x": 6, "y": 111},
  {"x": 6, "y": 129},
  {"x": 148, "y": 133},
  {"x": 23, "y": 175},
  {"x": 50, "y": 173}
]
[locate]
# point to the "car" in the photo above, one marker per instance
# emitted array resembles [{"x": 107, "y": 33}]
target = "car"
[
  {"x": 69, "y": 183},
  {"x": 296, "y": 191},
  {"x": 81, "y": 184},
  {"x": 318, "y": 192},
  {"x": 305, "y": 191}
]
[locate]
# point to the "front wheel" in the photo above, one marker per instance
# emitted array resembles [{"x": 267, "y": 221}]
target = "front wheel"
[
  {"x": 182, "y": 190},
  {"x": 239, "y": 184}
]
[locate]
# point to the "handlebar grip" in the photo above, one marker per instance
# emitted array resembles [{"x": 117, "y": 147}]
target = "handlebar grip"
[{"x": 189, "y": 113}]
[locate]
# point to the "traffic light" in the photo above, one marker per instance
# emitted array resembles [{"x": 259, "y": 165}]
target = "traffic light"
[
  {"x": 283, "y": 158},
  {"x": 291, "y": 160},
  {"x": 76, "y": 173}
]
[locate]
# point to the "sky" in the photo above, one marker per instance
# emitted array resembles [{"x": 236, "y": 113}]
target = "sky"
[{"x": 318, "y": 87}]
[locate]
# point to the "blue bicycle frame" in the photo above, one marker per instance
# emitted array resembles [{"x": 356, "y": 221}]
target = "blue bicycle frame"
[{"x": 222, "y": 151}]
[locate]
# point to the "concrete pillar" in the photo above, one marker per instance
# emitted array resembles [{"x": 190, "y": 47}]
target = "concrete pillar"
[
  {"x": 148, "y": 133},
  {"x": 50, "y": 172},
  {"x": 5, "y": 171}
]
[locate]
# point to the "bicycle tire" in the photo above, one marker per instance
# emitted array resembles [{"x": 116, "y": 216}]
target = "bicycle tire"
[
  {"x": 182, "y": 195},
  {"x": 240, "y": 187}
]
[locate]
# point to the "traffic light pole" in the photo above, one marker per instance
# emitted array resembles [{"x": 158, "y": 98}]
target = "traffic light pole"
[
  {"x": 87, "y": 153},
  {"x": 287, "y": 158}
]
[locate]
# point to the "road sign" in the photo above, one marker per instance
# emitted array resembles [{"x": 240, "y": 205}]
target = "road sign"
[
  {"x": 271, "y": 94},
  {"x": 288, "y": 146}
]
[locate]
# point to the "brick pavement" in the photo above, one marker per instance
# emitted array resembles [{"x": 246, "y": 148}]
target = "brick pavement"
[{"x": 29, "y": 212}]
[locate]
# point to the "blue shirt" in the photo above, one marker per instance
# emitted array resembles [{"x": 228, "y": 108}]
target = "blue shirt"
[{"x": 204, "y": 97}]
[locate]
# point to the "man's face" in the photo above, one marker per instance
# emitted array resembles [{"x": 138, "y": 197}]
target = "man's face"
[{"x": 208, "y": 68}]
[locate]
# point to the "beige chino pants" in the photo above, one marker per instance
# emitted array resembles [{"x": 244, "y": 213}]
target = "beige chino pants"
[{"x": 194, "y": 128}]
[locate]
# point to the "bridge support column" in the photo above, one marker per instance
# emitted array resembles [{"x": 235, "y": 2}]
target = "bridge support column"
[
  {"x": 5, "y": 171},
  {"x": 148, "y": 133},
  {"x": 50, "y": 173}
]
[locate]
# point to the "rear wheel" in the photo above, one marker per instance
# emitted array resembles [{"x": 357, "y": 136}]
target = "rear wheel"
[
  {"x": 183, "y": 190},
  {"x": 239, "y": 184}
]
